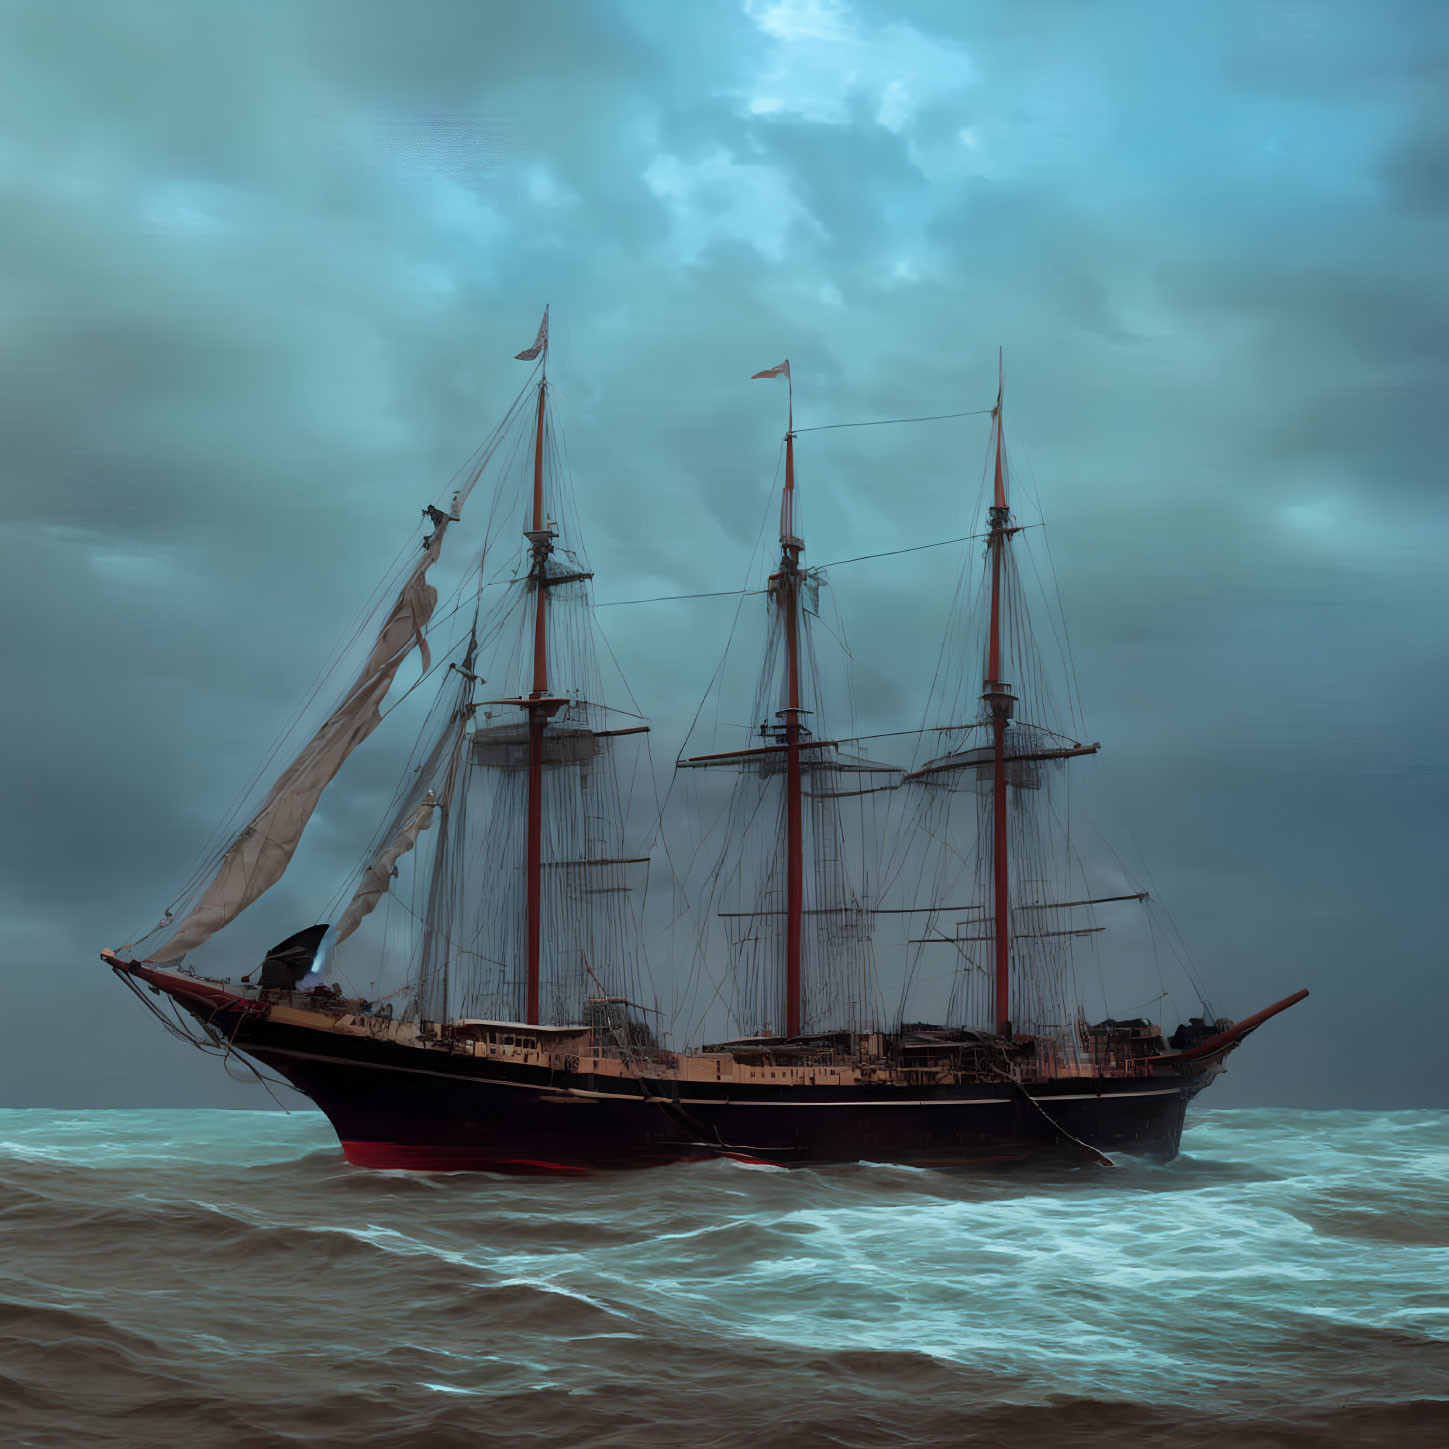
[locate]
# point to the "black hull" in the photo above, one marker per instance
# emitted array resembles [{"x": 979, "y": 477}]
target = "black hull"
[{"x": 398, "y": 1106}]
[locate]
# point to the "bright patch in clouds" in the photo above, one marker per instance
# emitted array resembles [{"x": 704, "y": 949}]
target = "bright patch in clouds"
[
  {"x": 719, "y": 199},
  {"x": 824, "y": 58}
]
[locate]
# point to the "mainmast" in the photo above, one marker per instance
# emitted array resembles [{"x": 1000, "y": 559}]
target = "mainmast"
[
  {"x": 786, "y": 587},
  {"x": 997, "y": 697},
  {"x": 790, "y": 751}
]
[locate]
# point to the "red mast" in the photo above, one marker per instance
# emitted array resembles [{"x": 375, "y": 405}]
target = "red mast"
[
  {"x": 791, "y": 548},
  {"x": 999, "y": 702},
  {"x": 539, "y": 704},
  {"x": 785, "y": 586}
]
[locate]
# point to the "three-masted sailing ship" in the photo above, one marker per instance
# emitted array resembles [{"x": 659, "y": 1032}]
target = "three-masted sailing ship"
[{"x": 516, "y": 1039}]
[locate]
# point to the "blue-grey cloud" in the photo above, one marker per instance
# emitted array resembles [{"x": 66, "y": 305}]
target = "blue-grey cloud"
[{"x": 265, "y": 267}]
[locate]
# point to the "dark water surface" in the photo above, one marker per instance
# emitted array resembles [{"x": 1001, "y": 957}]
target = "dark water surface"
[{"x": 223, "y": 1278}]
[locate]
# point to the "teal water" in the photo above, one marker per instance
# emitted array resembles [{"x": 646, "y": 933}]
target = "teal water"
[{"x": 225, "y": 1278}]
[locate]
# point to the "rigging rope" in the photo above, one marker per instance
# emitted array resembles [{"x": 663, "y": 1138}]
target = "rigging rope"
[
  {"x": 666, "y": 598},
  {"x": 883, "y": 422},
  {"x": 833, "y": 564}
]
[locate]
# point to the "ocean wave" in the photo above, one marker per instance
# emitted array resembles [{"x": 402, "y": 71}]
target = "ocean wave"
[{"x": 226, "y": 1278}]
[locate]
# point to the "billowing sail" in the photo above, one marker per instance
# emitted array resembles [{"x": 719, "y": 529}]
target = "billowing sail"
[{"x": 258, "y": 857}]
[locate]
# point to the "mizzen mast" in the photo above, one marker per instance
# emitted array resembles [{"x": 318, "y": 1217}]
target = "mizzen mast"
[
  {"x": 1000, "y": 749},
  {"x": 999, "y": 701},
  {"x": 784, "y": 588}
]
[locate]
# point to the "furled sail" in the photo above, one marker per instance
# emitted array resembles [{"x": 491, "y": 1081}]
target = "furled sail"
[{"x": 258, "y": 857}]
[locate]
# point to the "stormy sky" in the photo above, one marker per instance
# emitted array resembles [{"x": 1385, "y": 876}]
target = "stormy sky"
[{"x": 264, "y": 267}]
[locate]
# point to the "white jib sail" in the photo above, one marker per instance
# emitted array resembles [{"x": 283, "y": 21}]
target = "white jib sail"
[
  {"x": 258, "y": 857},
  {"x": 378, "y": 875}
]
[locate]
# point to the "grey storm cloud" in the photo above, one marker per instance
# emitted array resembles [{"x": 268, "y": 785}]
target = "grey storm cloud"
[{"x": 264, "y": 268}]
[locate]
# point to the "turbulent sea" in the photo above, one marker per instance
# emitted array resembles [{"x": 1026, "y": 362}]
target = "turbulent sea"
[{"x": 224, "y": 1278}]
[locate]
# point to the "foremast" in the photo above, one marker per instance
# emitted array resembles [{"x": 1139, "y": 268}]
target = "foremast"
[
  {"x": 527, "y": 910},
  {"x": 540, "y": 706}
]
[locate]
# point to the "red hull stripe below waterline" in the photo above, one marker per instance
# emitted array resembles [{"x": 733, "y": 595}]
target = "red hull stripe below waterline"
[{"x": 404, "y": 1157}]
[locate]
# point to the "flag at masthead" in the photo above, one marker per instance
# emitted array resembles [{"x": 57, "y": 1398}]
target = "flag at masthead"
[
  {"x": 787, "y": 501},
  {"x": 540, "y": 343}
]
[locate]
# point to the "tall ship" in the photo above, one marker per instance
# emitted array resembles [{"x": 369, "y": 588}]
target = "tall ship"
[{"x": 901, "y": 947}]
